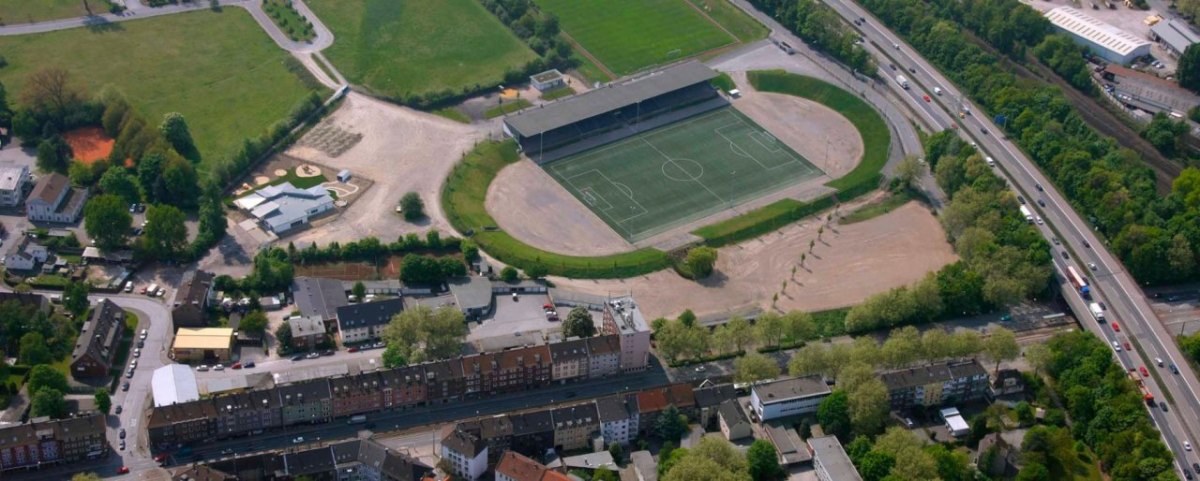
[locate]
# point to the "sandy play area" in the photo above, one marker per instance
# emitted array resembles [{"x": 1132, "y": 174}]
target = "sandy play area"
[
  {"x": 401, "y": 150},
  {"x": 536, "y": 209},
  {"x": 849, "y": 264},
  {"x": 89, "y": 144}
]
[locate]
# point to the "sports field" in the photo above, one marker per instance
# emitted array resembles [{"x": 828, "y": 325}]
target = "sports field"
[
  {"x": 658, "y": 180},
  {"x": 220, "y": 70},
  {"x": 407, "y": 47},
  {"x": 629, "y": 35}
]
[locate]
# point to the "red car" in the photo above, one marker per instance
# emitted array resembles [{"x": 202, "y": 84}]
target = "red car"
[
  {"x": 1144, "y": 371},
  {"x": 1116, "y": 327},
  {"x": 927, "y": 99},
  {"x": 353, "y": 349},
  {"x": 160, "y": 457},
  {"x": 123, "y": 470},
  {"x": 1127, "y": 348},
  {"x": 236, "y": 365}
]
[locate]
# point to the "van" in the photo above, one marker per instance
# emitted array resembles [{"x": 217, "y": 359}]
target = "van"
[
  {"x": 937, "y": 90},
  {"x": 128, "y": 286},
  {"x": 152, "y": 290},
  {"x": 991, "y": 162}
]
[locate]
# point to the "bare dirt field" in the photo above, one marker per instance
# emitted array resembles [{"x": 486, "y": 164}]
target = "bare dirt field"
[
  {"x": 89, "y": 144},
  {"x": 849, "y": 263},
  {"x": 401, "y": 150},
  {"x": 828, "y": 140},
  {"x": 536, "y": 209}
]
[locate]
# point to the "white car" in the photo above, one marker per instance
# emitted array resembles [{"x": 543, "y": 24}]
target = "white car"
[
  {"x": 201, "y": 368},
  {"x": 1187, "y": 445},
  {"x": 133, "y": 364},
  {"x": 298, "y": 440},
  {"x": 1116, "y": 346},
  {"x": 129, "y": 286},
  {"x": 137, "y": 352},
  {"x": 218, "y": 367}
]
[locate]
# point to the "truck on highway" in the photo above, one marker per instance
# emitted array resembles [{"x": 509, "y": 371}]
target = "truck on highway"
[
  {"x": 359, "y": 419},
  {"x": 900, "y": 79},
  {"x": 1097, "y": 312},
  {"x": 1079, "y": 282},
  {"x": 1137, "y": 379},
  {"x": 1028, "y": 215}
]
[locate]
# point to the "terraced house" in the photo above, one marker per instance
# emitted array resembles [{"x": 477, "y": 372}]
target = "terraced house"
[
  {"x": 42, "y": 442},
  {"x": 97, "y": 342},
  {"x": 403, "y": 387},
  {"x": 936, "y": 384},
  {"x": 575, "y": 425},
  {"x": 356, "y": 394},
  {"x": 249, "y": 412},
  {"x": 570, "y": 360},
  {"x": 306, "y": 402},
  {"x": 184, "y": 423}
]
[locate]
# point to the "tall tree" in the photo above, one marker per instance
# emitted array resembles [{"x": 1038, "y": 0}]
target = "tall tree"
[
  {"x": 34, "y": 350},
  {"x": 174, "y": 128},
  {"x": 1188, "y": 71},
  {"x": 671, "y": 424},
  {"x": 50, "y": 90},
  {"x": 700, "y": 261},
  {"x": 165, "y": 234},
  {"x": 771, "y": 329},
  {"x": 1001, "y": 345},
  {"x": 49, "y": 402},
  {"x": 254, "y": 321},
  {"x": 106, "y": 220},
  {"x": 754, "y": 367},
  {"x": 43, "y": 376},
  {"x": 117, "y": 181},
  {"x": 425, "y": 334},
  {"x": 53, "y": 155},
  {"x": 103, "y": 400},
  {"x": 180, "y": 180},
  {"x": 412, "y": 207},
  {"x": 834, "y": 414},
  {"x": 763, "y": 461},
  {"x": 75, "y": 297},
  {"x": 579, "y": 323},
  {"x": 741, "y": 333},
  {"x": 868, "y": 404}
]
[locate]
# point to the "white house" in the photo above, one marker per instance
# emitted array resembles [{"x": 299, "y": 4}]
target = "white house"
[
  {"x": 365, "y": 321},
  {"x": 283, "y": 207},
  {"x": 13, "y": 179},
  {"x": 955, "y": 422},
  {"x": 25, "y": 255},
  {"x": 788, "y": 397},
  {"x": 467, "y": 455},
  {"x": 734, "y": 425},
  {"x": 618, "y": 418},
  {"x": 53, "y": 200},
  {"x": 548, "y": 80}
]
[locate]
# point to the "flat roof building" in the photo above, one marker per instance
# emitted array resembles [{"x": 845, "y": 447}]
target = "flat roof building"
[
  {"x": 208, "y": 344},
  {"x": 174, "y": 384},
  {"x": 830, "y": 461},
  {"x": 788, "y": 397},
  {"x": 1174, "y": 36},
  {"x": 1105, "y": 40},
  {"x": 283, "y": 207}
]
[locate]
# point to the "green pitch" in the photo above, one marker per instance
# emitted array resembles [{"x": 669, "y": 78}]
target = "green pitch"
[
  {"x": 672, "y": 175},
  {"x": 629, "y": 35}
]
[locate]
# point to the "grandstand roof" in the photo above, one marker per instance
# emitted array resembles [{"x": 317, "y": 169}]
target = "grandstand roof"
[
  {"x": 1095, "y": 31},
  {"x": 590, "y": 104}
]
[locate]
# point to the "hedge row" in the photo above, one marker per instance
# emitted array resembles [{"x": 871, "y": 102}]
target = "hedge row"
[{"x": 463, "y": 197}]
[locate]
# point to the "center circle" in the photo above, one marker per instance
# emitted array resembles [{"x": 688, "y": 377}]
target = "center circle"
[{"x": 682, "y": 170}]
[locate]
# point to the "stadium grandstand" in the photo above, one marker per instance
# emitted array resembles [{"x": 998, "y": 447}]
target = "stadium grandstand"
[{"x": 613, "y": 112}]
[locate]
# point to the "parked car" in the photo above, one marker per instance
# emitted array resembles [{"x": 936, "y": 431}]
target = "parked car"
[
  {"x": 123, "y": 470},
  {"x": 141, "y": 343},
  {"x": 129, "y": 286},
  {"x": 328, "y": 352},
  {"x": 219, "y": 367},
  {"x": 353, "y": 349},
  {"x": 160, "y": 457},
  {"x": 201, "y": 368},
  {"x": 312, "y": 355},
  {"x": 125, "y": 387},
  {"x": 298, "y": 357},
  {"x": 236, "y": 365},
  {"x": 122, "y": 434},
  {"x": 119, "y": 409},
  {"x": 298, "y": 440},
  {"x": 248, "y": 364}
]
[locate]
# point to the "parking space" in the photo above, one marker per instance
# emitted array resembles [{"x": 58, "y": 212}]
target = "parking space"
[{"x": 522, "y": 314}]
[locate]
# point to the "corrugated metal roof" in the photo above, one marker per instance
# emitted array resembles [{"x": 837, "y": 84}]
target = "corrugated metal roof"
[
  {"x": 1095, "y": 31},
  {"x": 1178, "y": 35}
]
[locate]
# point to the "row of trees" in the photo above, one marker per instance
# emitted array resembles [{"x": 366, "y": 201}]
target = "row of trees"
[
  {"x": 684, "y": 337},
  {"x": 822, "y": 28},
  {"x": 899, "y": 455},
  {"x": 1155, "y": 237},
  {"x": 903, "y": 347},
  {"x": 1106, "y": 409}
]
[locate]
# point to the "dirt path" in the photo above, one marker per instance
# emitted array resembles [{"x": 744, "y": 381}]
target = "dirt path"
[
  {"x": 824, "y": 137},
  {"x": 533, "y": 207},
  {"x": 849, "y": 264}
]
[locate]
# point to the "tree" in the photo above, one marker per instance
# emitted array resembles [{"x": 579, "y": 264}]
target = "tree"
[
  {"x": 412, "y": 207},
  {"x": 180, "y": 181},
  {"x": 1188, "y": 71},
  {"x": 771, "y": 329},
  {"x": 912, "y": 463},
  {"x": 254, "y": 321},
  {"x": 875, "y": 465},
  {"x": 741, "y": 333},
  {"x": 34, "y": 350},
  {"x": 763, "y": 461},
  {"x": 754, "y": 367},
  {"x": 671, "y": 424},
  {"x": 908, "y": 172},
  {"x": 106, "y": 220},
  {"x": 536, "y": 271},
  {"x": 103, "y": 400},
  {"x": 149, "y": 173},
  {"x": 50, "y": 90},
  {"x": 700, "y": 261},
  {"x": 579, "y": 323},
  {"x": 283, "y": 334},
  {"x": 617, "y": 453},
  {"x": 424, "y": 334},
  {"x": 117, "y": 181},
  {"x": 834, "y": 414},
  {"x": 470, "y": 250},
  {"x": 86, "y": 477},
  {"x": 394, "y": 357},
  {"x": 165, "y": 235},
  {"x": 53, "y": 155},
  {"x": 1001, "y": 345},
  {"x": 45, "y": 377},
  {"x": 509, "y": 274},
  {"x": 1024, "y": 413},
  {"x": 605, "y": 474},
  {"x": 49, "y": 402},
  {"x": 359, "y": 291},
  {"x": 174, "y": 128}
]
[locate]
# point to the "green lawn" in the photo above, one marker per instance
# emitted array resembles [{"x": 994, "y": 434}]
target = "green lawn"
[
  {"x": 870, "y": 211},
  {"x": 506, "y": 108},
  {"x": 289, "y": 20},
  {"x": 558, "y": 93},
  {"x": 220, "y": 70},
  {"x": 13, "y": 12},
  {"x": 415, "y": 47},
  {"x": 742, "y": 26},
  {"x": 630, "y": 35}
]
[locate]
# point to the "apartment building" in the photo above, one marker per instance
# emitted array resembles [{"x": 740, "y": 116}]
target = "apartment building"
[{"x": 936, "y": 384}]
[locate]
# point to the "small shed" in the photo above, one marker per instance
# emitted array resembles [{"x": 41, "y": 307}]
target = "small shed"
[
  {"x": 344, "y": 176},
  {"x": 548, "y": 80}
]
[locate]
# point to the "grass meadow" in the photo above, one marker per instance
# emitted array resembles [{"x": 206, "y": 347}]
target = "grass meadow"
[
  {"x": 220, "y": 70},
  {"x": 416, "y": 47},
  {"x": 13, "y": 12},
  {"x": 630, "y": 35}
]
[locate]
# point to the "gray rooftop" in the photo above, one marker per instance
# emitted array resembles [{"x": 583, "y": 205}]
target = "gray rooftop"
[
  {"x": 787, "y": 443},
  {"x": 932, "y": 373},
  {"x": 1176, "y": 34},
  {"x": 590, "y": 104},
  {"x": 471, "y": 292},
  {"x": 12, "y": 176},
  {"x": 829, "y": 453},
  {"x": 320, "y": 297},
  {"x": 378, "y": 313},
  {"x": 732, "y": 413},
  {"x": 788, "y": 389}
]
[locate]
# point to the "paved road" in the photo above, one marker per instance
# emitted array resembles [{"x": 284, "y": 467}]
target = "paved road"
[{"x": 1126, "y": 303}]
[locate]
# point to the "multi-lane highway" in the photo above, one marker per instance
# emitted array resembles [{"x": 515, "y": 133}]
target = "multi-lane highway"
[{"x": 1126, "y": 303}]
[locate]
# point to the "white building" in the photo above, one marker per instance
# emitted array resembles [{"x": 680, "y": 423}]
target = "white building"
[
  {"x": 788, "y": 397},
  {"x": 618, "y": 418},
  {"x": 283, "y": 207},
  {"x": 1107, "y": 41},
  {"x": 830, "y": 462},
  {"x": 25, "y": 255},
  {"x": 53, "y": 200},
  {"x": 1174, "y": 35},
  {"x": 955, "y": 422},
  {"x": 548, "y": 80},
  {"x": 622, "y": 318},
  {"x": 13, "y": 179},
  {"x": 174, "y": 384},
  {"x": 467, "y": 455},
  {"x": 365, "y": 321}
]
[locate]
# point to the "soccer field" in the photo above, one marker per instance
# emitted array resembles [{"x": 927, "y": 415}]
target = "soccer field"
[{"x": 664, "y": 178}]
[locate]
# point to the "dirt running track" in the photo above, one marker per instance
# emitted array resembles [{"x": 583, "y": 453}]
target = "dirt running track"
[{"x": 852, "y": 262}]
